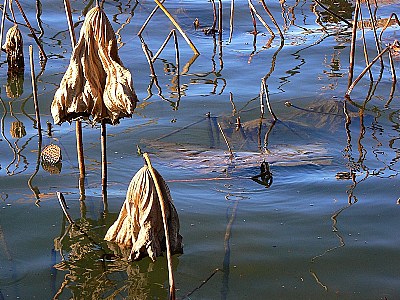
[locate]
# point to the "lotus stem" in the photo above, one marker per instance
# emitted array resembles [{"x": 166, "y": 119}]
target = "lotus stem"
[
  {"x": 272, "y": 18},
  {"x": 352, "y": 85},
  {"x": 187, "y": 39},
  {"x": 332, "y": 13},
  {"x": 104, "y": 163},
  {"x": 155, "y": 56},
  {"x": 167, "y": 239},
  {"x": 353, "y": 43},
  {"x": 148, "y": 19}
]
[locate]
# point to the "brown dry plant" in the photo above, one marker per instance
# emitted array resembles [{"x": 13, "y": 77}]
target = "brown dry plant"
[
  {"x": 96, "y": 83},
  {"x": 140, "y": 223}
]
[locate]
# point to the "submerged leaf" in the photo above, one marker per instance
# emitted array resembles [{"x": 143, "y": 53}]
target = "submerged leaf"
[
  {"x": 140, "y": 224},
  {"x": 96, "y": 83}
]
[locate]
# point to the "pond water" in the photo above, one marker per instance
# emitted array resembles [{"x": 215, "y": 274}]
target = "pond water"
[{"x": 323, "y": 228}]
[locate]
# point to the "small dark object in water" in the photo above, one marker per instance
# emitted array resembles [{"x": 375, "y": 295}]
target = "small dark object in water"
[
  {"x": 265, "y": 177},
  {"x": 196, "y": 24}
]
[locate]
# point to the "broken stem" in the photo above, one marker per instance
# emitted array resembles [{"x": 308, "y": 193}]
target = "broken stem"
[
  {"x": 163, "y": 211},
  {"x": 187, "y": 39},
  {"x": 148, "y": 19}
]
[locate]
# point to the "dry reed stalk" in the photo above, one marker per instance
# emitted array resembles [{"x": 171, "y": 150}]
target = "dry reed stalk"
[
  {"x": 393, "y": 15},
  {"x": 187, "y": 39},
  {"x": 155, "y": 56},
  {"x": 177, "y": 64},
  {"x": 104, "y": 163},
  {"x": 34, "y": 88},
  {"x": 148, "y": 19},
  {"x": 31, "y": 30},
  {"x": 373, "y": 19},
  {"x": 365, "y": 45},
  {"x": 166, "y": 229},
  {"x": 332, "y": 13},
  {"x": 353, "y": 43},
  {"x": 353, "y": 84}
]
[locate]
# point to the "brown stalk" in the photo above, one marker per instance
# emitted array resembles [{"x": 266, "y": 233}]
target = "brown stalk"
[
  {"x": 104, "y": 163},
  {"x": 373, "y": 20},
  {"x": 353, "y": 84},
  {"x": 331, "y": 12},
  {"x": 393, "y": 15},
  {"x": 365, "y": 45},
  {"x": 353, "y": 43},
  {"x": 187, "y": 39},
  {"x": 177, "y": 63},
  {"x": 31, "y": 30},
  {"x": 155, "y": 56},
  {"x": 148, "y": 19},
  {"x": 166, "y": 231}
]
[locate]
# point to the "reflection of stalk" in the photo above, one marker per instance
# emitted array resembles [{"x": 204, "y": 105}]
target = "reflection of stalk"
[
  {"x": 4, "y": 136},
  {"x": 227, "y": 255},
  {"x": 231, "y": 20},
  {"x": 32, "y": 31}
]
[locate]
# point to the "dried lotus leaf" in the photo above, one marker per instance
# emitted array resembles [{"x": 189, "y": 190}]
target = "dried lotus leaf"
[
  {"x": 96, "y": 84},
  {"x": 140, "y": 224}
]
